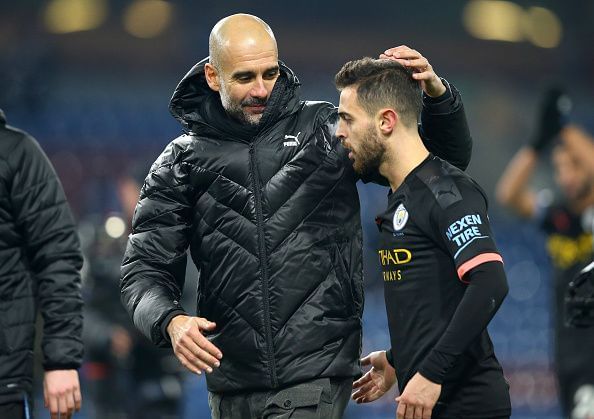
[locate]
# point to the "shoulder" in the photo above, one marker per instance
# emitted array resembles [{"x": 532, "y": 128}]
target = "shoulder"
[
  {"x": 445, "y": 184},
  {"x": 13, "y": 140},
  {"x": 319, "y": 111},
  {"x": 176, "y": 152},
  {"x": 20, "y": 151}
]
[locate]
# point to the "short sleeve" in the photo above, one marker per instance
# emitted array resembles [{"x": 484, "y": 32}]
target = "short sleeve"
[{"x": 463, "y": 227}]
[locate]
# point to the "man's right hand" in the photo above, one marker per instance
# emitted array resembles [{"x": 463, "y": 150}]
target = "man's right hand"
[
  {"x": 193, "y": 350},
  {"x": 377, "y": 381},
  {"x": 422, "y": 70}
]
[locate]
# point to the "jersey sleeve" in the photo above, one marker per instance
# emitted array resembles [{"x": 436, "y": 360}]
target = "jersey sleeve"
[{"x": 463, "y": 227}]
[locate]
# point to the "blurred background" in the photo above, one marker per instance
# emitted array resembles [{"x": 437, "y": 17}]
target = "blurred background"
[{"x": 91, "y": 80}]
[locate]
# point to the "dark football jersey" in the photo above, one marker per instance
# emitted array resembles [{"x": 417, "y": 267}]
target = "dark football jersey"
[
  {"x": 434, "y": 231},
  {"x": 569, "y": 244}
]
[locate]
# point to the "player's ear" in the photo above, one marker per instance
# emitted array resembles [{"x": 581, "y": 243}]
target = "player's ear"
[
  {"x": 212, "y": 77},
  {"x": 387, "y": 120}
]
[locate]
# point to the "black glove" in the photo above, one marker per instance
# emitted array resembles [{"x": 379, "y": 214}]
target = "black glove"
[
  {"x": 553, "y": 115},
  {"x": 579, "y": 299}
]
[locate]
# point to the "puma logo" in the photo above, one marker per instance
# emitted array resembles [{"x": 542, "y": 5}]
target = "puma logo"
[{"x": 295, "y": 140}]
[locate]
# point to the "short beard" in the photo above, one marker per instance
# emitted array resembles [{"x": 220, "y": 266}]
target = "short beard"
[
  {"x": 236, "y": 111},
  {"x": 370, "y": 154}
]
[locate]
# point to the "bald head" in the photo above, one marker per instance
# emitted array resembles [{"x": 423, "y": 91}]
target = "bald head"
[
  {"x": 243, "y": 66},
  {"x": 238, "y": 35}
]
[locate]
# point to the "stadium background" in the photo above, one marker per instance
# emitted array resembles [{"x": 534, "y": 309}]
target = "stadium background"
[{"x": 91, "y": 80}]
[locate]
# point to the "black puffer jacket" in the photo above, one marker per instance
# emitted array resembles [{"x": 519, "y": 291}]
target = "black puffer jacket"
[
  {"x": 271, "y": 215},
  {"x": 39, "y": 265}
]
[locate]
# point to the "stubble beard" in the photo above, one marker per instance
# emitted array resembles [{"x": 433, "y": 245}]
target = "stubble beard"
[
  {"x": 370, "y": 154},
  {"x": 236, "y": 109}
]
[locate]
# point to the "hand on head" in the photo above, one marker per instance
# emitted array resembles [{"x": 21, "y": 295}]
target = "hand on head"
[{"x": 422, "y": 70}]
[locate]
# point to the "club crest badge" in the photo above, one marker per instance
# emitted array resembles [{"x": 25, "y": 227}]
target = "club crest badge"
[{"x": 400, "y": 217}]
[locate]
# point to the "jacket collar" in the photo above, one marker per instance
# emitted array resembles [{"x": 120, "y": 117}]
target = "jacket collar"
[{"x": 199, "y": 109}]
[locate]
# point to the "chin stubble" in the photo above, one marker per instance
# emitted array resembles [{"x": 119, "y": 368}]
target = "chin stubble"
[{"x": 370, "y": 153}]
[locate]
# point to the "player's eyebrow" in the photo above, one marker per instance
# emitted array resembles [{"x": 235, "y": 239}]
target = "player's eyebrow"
[{"x": 344, "y": 115}]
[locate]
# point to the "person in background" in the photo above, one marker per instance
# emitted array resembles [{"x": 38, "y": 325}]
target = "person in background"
[
  {"x": 126, "y": 376},
  {"x": 41, "y": 259},
  {"x": 568, "y": 224}
]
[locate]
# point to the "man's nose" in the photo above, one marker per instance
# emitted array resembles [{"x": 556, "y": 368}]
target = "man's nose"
[
  {"x": 340, "y": 131},
  {"x": 259, "y": 90}
]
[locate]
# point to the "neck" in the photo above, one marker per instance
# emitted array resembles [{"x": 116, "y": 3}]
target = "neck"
[{"x": 404, "y": 152}]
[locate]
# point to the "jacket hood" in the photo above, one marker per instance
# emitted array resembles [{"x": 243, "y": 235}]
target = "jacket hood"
[{"x": 197, "y": 107}]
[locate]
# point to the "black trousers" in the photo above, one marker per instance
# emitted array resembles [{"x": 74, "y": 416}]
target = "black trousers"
[{"x": 14, "y": 410}]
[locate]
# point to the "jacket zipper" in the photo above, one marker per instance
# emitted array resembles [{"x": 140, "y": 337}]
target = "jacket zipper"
[{"x": 263, "y": 267}]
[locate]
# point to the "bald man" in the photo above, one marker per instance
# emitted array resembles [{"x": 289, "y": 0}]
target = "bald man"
[{"x": 265, "y": 197}]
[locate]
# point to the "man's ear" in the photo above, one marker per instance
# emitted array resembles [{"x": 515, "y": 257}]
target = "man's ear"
[
  {"x": 387, "y": 120},
  {"x": 212, "y": 77}
]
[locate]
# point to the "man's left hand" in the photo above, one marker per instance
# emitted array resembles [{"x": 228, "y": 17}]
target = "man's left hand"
[
  {"x": 418, "y": 398},
  {"x": 422, "y": 70},
  {"x": 61, "y": 392}
]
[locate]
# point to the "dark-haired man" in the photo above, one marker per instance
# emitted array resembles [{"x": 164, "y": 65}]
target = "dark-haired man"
[
  {"x": 266, "y": 199},
  {"x": 443, "y": 276}
]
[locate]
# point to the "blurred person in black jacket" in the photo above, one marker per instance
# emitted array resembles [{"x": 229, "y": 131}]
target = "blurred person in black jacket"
[
  {"x": 127, "y": 376},
  {"x": 41, "y": 259},
  {"x": 265, "y": 197},
  {"x": 568, "y": 224}
]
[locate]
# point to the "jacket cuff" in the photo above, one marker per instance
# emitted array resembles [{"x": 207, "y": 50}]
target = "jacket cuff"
[
  {"x": 166, "y": 320},
  {"x": 57, "y": 366},
  {"x": 441, "y": 104}
]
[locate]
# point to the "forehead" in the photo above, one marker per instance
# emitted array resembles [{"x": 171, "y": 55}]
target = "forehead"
[
  {"x": 249, "y": 57},
  {"x": 348, "y": 100}
]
